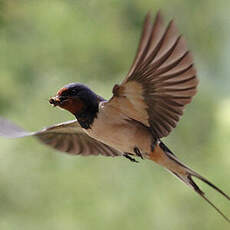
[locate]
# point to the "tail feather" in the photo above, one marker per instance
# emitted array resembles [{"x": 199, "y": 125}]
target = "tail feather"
[
  {"x": 187, "y": 175},
  {"x": 202, "y": 194},
  {"x": 211, "y": 185}
]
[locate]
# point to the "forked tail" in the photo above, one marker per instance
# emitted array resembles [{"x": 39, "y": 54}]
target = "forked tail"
[{"x": 163, "y": 156}]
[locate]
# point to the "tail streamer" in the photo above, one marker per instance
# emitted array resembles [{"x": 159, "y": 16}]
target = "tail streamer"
[{"x": 163, "y": 156}]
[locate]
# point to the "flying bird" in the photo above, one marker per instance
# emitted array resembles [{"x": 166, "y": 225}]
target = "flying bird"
[{"x": 145, "y": 107}]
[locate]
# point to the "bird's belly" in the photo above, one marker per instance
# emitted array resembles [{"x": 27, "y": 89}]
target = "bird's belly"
[{"x": 123, "y": 136}]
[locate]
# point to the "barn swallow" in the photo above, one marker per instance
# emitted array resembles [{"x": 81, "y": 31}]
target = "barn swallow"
[{"x": 145, "y": 107}]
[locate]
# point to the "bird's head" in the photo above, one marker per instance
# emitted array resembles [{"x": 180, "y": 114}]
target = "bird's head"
[{"x": 76, "y": 98}]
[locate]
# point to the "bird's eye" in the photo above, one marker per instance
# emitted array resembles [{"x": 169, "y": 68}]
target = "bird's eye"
[{"x": 73, "y": 92}]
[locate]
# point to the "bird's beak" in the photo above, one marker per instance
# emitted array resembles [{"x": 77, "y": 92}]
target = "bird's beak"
[
  {"x": 57, "y": 100},
  {"x": 72, "y": 104}
]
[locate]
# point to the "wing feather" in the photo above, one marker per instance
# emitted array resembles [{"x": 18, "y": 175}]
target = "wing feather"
[
  {"x": 161, "y": 80},
  {"x": 65, "y": 137}
]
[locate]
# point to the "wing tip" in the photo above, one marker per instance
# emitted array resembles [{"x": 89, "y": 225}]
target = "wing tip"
[{"x": 10, "y": 130}]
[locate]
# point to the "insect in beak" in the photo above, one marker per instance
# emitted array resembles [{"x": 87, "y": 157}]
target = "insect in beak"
[{"x": 57, "y": 100}]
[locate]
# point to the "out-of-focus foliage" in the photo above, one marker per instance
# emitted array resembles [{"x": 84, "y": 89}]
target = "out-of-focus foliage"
[{"x": 46, "y": 44}]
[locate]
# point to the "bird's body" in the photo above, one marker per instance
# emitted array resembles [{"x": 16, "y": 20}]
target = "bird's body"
[
  {"x": 145, "y": 107},
  {"x": 114, "y": 128}
]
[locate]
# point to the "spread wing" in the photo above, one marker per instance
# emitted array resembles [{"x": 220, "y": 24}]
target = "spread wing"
[
  {"x": 66, "y": 137},
  {"x": 161, "y": 80}
]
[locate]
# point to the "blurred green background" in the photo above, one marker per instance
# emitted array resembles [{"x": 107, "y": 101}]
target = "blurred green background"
[{"x": 46, "y": 44}]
